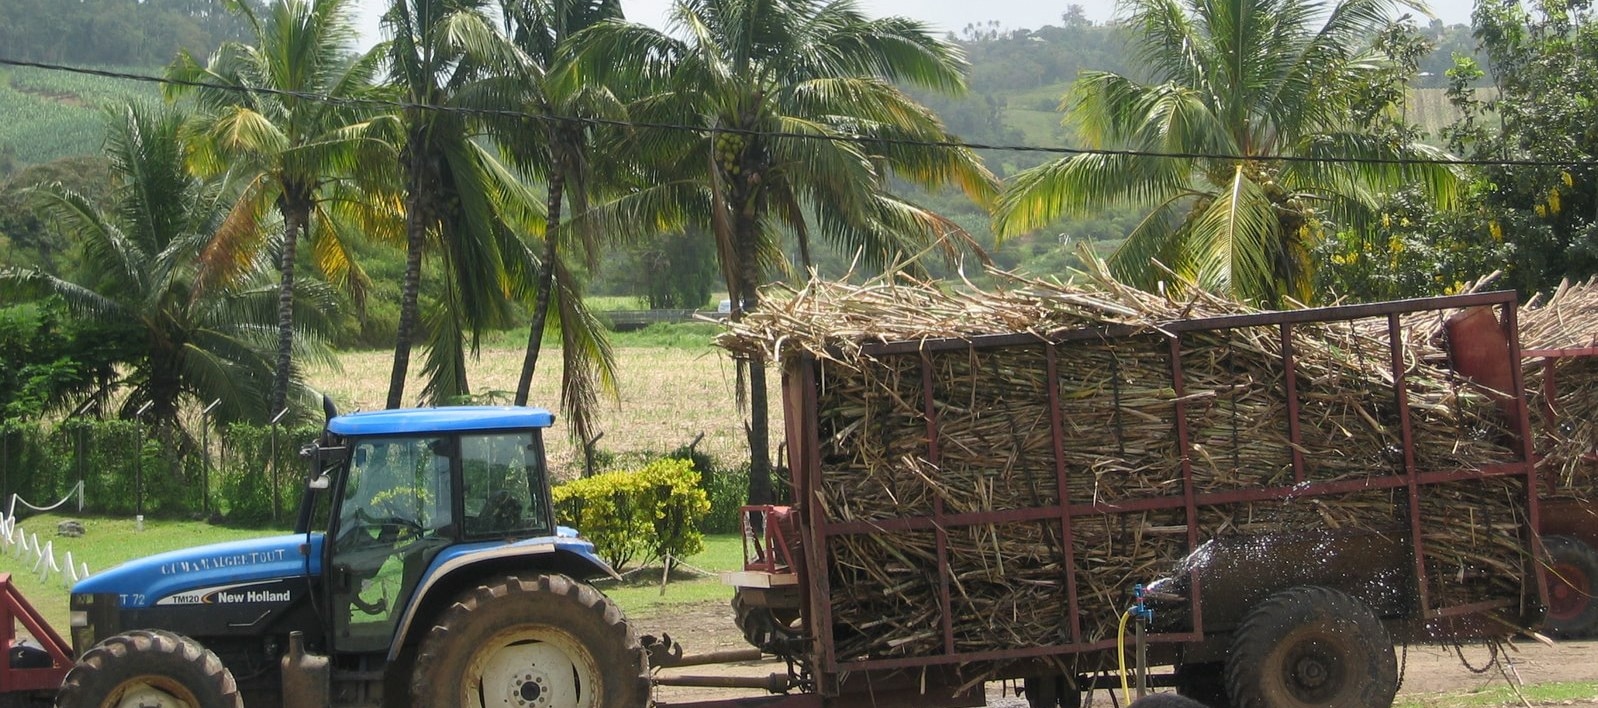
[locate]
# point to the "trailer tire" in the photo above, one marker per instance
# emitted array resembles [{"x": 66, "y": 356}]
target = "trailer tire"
[
  {"x": 1572, "y": 583},
  {"x": 1050, "y": 692},
  {"x": 1312, "y": 646},
  {"x": 1204, "y": 682},
  {"x": 543, "y": 640},
  {"x": 149, "y": 668},
  {"x": 768, "y": 629}
]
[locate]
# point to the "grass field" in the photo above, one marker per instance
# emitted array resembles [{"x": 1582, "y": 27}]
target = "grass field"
[
  {"x": 1571, "y": 693},
  {"x": 48, "y": 115},
  {"x": 667, "y": 396}
]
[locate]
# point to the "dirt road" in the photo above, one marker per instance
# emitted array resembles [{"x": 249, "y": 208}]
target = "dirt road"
[{"x": 1428, "y": 670}]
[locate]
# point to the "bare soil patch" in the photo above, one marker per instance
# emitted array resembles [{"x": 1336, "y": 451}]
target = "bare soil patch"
[{"x": 1429, "y": 671}]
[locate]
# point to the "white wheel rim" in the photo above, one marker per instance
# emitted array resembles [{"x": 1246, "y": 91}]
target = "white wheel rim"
[
  {"x": 144, "y": 695},
  {"x": 532, "y": 668}
]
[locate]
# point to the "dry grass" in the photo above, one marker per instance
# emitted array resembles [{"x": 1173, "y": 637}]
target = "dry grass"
[{"x": 667, "y": 398}]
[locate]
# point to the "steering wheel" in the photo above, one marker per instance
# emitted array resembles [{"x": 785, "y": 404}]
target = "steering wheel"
[{"x": 389, "y": 529}]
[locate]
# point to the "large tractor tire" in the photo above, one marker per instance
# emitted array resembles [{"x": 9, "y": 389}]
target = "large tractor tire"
[
  {"x": 149, "y": 669},
  {"x": 1050, "y": 692},
  {"x": 770, "y": 629},
  {"x": 1572, "y": 582},
  {"x": 531, "y": 640},
  {"x": 1312, "y": 646}
]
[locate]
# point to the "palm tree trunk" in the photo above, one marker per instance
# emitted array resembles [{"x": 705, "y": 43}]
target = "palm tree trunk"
[
  {"x": 746, "y": 296},
  {"x": 546, "y": 286},
  {"x": 295, "y": 220},
  {"x": 417, "y": 220}
]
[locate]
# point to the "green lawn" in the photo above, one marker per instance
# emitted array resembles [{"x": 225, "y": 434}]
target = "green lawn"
[
  {"x": 109, "y": 542},
  {"x": 1571, "y": 693}
]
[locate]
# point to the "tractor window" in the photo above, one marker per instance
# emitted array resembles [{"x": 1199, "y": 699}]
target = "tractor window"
[{"x": 503, "y": 474}]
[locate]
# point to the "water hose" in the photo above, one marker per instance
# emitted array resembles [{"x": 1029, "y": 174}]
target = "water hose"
[{"x": 1120, "y": 650}]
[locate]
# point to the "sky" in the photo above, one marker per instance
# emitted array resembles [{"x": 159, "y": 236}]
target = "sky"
[{"x": 943, "y": 15}]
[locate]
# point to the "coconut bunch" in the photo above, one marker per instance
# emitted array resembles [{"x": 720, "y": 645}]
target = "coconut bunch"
[{"x": 995, "y": 450}]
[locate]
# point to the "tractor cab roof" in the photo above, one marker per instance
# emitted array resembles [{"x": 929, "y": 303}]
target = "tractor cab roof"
[{"x": 434, "y": 420}]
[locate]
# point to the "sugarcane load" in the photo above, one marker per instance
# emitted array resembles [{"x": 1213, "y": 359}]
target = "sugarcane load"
[{"x": 985, "y": 480}]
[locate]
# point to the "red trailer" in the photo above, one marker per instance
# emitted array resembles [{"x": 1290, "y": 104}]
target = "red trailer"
[
  {"x": 1305, "y": 612},
  {"x": 31, "y": 673}
]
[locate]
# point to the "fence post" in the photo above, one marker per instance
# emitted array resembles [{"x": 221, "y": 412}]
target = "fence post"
[
  {"x": 80, "y": 452},
  {"x": 138, "y": 467},
  {"x": 276, "y": 503}
]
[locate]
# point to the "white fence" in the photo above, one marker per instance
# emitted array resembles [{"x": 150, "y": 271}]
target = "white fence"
[{"x": 25, "y": 546}]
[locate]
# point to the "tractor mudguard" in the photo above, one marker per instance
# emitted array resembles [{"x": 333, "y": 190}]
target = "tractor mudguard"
[{"x": 564, "y": 553}]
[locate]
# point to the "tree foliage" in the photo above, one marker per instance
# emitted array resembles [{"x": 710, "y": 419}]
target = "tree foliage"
[
  {"x": 1544, "y": 61},
  {"x": 157, "y": 260},
  {"x": 1233, "y": 84}
]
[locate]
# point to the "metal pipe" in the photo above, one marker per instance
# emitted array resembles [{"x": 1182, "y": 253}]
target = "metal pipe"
[
  {"x": 729, "y": 656},
  {"x": 1142, "y": 660},
  {"x": 774, "y": 683}
]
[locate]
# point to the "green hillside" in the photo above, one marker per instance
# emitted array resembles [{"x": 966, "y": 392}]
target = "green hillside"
[{"x": 48, "y": 115}]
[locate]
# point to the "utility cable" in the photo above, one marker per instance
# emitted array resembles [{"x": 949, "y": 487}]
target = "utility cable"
[{"x": 858, "y": 139}]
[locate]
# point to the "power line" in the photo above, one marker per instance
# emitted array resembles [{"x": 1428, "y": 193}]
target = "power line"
[{"x": 499, "y": 113}]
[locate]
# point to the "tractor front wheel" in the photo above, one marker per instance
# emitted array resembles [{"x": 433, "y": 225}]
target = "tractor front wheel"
[
  {"x": 1572, "y": 583},
  {"x": 149, "y": 669},
  {"x": 1312, "y": 646},
  {"x": 531, "y": 640}
]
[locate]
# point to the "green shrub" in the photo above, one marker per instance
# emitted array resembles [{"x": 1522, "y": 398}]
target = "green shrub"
[
  {"x": 638, "y": 515},
  {"x": 247, "y": 479},
  {"x": 728, "y": 490}
]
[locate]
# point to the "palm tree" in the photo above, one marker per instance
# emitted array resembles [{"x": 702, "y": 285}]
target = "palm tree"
[
  {"x": 171, "y": 259},
  {"x": 558, "y": 149},
  {"x": 797, "y": 124},
  {"x": 456, "y": 191},
  {"x": 298, "y": 153},
  {"x": 1237, "y": 86}
]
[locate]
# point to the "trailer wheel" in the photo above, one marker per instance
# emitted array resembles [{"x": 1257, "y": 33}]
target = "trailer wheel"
[
  {"x": 1050, "y": 692},
  {"x": 1312, "y": 646},
  {"x": 1572, "y": 583},
  {"x": 149, "y": 669},
  {"x": 1204, "y": 682},
  {"x": 768, "y": 629},
  {"x": 531, "y": 640}
]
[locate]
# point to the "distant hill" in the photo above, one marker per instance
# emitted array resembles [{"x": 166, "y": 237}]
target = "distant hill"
[
  {"x": 48, "y": 115},
  {"x": 1017, "y": 79}
]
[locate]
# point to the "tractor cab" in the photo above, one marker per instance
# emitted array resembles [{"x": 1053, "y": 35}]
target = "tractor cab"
[{"x": 394, "y": 492}]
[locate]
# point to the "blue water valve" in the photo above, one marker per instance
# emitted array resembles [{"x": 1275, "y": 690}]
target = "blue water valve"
[{"x": 1139, "y": 609}]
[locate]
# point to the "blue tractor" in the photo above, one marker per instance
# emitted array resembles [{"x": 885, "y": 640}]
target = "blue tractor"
[{"x": 426, "y": 569}]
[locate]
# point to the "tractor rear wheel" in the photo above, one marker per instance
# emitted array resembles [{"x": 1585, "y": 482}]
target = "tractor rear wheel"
[
  {"x": 531, "y": 640},
  {"x": 149, "y": 669},
  {"x": 1572, "y": 581},
  {"x": 1312, "y": 646}
]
